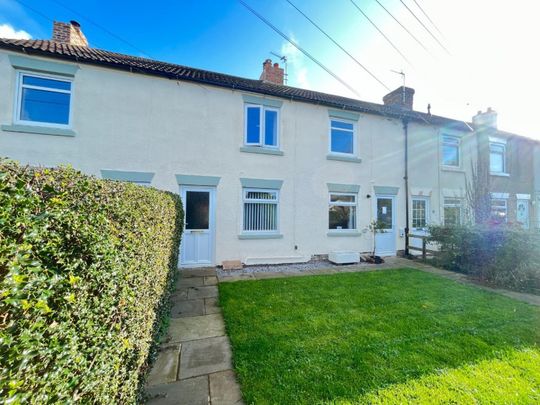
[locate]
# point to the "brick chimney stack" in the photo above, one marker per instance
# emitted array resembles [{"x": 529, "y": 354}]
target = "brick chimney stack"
[
  {"x": 485, "y": 120},
  {"x": 68, "y": 33},
  {"x": 400, "y": 97},
  {"x": 272, "y": 73}
]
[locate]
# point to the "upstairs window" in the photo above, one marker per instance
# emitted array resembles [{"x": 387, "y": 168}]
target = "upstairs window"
[
  {"x": 44, "y": 100},
  {"x": 342, "y": 137},
  {"x": 497, "y": 157},
  {"x": 342, "y": 211},
  {"x": 450, "y": 151},
  {"x": 452, "y": 211},
  {"x": 262, "y": 126},
  {"x": 260, "y": 210}
]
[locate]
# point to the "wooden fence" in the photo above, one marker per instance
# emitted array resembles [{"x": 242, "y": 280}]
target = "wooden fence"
[{"x": 425, "y": 251}]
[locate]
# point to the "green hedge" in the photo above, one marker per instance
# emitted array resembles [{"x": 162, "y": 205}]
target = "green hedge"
[
  {"x": 86, "y": 268},
  {"x": 505, "y": 256}
]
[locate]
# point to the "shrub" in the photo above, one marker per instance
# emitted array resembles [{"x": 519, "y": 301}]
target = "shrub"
[
  {"x": 502, "y": 255},
  {"x": 86, "y": 266}
]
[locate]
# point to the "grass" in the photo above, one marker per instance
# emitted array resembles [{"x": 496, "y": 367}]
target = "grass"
[{"x": 393, "y": 336}]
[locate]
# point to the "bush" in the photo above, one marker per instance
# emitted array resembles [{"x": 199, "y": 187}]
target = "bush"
[
  {"x": 86, "y": 266},
  {"x": 505, "y": 256}
]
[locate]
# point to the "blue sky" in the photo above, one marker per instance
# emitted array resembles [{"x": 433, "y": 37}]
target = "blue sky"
[{"x": 491, "y": 62}]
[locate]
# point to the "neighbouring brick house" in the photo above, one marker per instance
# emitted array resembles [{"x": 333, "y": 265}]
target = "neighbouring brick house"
[{"x": 511, "y": 175}]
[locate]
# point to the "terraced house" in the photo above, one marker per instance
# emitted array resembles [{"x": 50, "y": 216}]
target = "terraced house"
[{"x": 268, "y": 173}]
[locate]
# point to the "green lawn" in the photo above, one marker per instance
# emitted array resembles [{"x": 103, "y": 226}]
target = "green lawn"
[{"x": 380, "y": 337}]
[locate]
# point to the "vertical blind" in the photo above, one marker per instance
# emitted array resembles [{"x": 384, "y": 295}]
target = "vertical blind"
[{"x": 260, "y": 210}]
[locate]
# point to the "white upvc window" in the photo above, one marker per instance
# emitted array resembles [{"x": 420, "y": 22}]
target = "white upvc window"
[
  {"x": 43, "y": 100},
  {"x": 342, "y": 209},
  {"x": 419, "y": 213},
  {"x": 261, "y": 210},
  {"x": 499, "y": 210},
  {"x": 261, "y": 126},
  {"x": 452, "y": 211},
  {"x": 497, "y": 157},
  {"x": 342, "y": 139},
  {"x": 451, "y": 151}
]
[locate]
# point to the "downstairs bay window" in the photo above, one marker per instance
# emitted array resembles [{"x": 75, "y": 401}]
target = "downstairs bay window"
[
  {"x": 342, "y": 211},
  {"x": 452, "y": 212},
  {"x": 260, "y": 211},
  {"x": 499, "y": 210}
]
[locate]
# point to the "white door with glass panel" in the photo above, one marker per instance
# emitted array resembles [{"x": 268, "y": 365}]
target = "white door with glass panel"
[
  {"x": 385, "y": 238},
  {"x": 198, "y": 239},
  {"x": 522, "y": 213},
  {"x": 420, "y": 220}
]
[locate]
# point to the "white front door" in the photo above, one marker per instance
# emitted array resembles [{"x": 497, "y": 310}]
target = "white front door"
[
  {"x": 522, "y": 214},
  {"x": 197, "y": 247},
  {"x": 385, "y": 239},
  {"x": 420, "y": 220}
]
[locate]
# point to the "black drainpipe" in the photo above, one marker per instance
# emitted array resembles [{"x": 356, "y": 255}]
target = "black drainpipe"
[{"x": 406, "y": 178}]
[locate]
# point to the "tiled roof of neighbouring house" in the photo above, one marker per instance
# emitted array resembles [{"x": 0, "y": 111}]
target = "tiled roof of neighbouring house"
[{"x": 82, "y": 54}]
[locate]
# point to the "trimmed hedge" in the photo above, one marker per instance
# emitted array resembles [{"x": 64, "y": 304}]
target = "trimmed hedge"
[
  {"x": 86, "y": 269},
  {"x": 505, "y": 256}
]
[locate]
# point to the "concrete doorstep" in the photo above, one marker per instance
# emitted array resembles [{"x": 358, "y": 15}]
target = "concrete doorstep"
[{"x": 194, "y": 364}]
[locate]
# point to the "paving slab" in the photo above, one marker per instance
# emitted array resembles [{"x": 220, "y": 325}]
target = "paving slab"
[
  {"x": 179, "y": 295},
  {"x": 211, "y": 306},
  {"x": 165, "y": 369},
  {"x": 210, "y": 280},
  {"x": 236, "y": 277},
  {"x": 224, "y": 389},
  {"x": 265, "y": 275},
  {"x": 185, "y": 308},
  {"x": 195, "y": 327},
  {"x": 189, "y": 282},
  {"x": 204, "y": 271},
  {"x": 193, "y": 391},
  {"x": 205, "y": 356},
  {"x": 208, "y": 291}
]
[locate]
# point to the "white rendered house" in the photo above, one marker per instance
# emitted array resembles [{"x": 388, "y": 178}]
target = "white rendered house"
[{"x": 268, "y": 173}]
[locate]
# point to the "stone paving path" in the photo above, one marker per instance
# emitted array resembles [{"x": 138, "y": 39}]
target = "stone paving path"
[{"x": 194, "y": 363}]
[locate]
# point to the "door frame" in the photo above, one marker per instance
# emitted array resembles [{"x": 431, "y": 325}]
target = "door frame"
[
  {"x": 211, "y": 224},
  {"x": 394, "y": 230},
  {"x": 527, "y": 225}
]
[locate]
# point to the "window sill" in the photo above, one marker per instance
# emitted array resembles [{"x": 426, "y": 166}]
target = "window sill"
[
  {"x": 260, "y": 236},
  {"x": 499, "y": 174},
  {"x": 345, "y": 232},
  {"x": 452, "y": 169},
  {"x": 262, "y": 150},
  {"x": 31, "y": 129},
  {"x": 343, "y": 158}
]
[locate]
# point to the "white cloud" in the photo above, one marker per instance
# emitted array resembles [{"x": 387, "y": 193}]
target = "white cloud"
[
  {"x": 7, "y": 31},
  {"x": 296, "y": 67}
]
